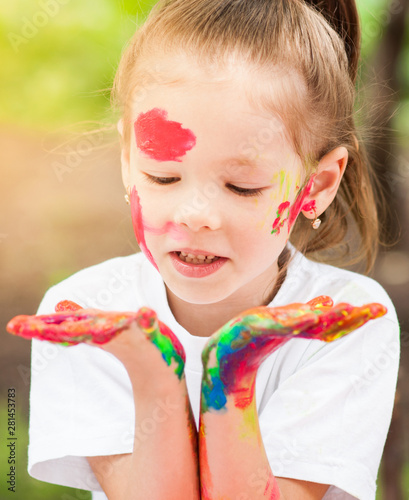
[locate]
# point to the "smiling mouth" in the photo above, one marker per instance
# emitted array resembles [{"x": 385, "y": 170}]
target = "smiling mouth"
[{"x": 196, "y": 259}]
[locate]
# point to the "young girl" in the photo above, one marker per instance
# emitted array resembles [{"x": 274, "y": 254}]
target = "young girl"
[{"x": 238, "y": 141}]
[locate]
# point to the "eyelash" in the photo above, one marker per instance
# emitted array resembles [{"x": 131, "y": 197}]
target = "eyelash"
[{"x": 239, "y": 191}]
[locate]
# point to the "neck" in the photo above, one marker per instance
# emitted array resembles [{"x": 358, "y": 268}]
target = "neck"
[{"x": 202, "y": 320}]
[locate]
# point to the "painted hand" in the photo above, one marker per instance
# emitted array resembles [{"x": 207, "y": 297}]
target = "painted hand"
[
  {"x": 233, "y": 353},
  {"x": 72, "y": 325}
]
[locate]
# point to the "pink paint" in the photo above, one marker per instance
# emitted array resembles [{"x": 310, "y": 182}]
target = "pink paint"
[
  {"x": 160, "y": 138},
  {"x": 299, "y": 202},
  {"x": 294, "y": 209},
  {"x": 279, "y": 223},
  {"x": 272, "y": 487},
  {"x": 175, "y": 231},
  {"x": 137, "y": 222},
  {"x": 310, "y": 207}
]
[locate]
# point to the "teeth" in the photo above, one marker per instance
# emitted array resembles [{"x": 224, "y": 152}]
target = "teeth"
[{"x": 197, "y": 259}]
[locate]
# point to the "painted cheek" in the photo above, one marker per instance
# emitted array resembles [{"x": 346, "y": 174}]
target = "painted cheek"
[
  {"x": 279, "y": 221},
  {"x": 162, "y": 139},
  {"x": 138, "y": 226},
  {"x": 299, "y": 203},
  {"x": 293, "y": 210},
  {"x": 175, "y": 231}
]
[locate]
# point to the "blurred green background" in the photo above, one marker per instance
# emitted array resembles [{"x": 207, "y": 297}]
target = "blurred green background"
[{"x": 61, "y": 195}]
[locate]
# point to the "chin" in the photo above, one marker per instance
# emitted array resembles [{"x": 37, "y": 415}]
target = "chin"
[{"x": 205, "y": 296}]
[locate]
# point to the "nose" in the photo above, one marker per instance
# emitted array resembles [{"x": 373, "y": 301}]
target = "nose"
[{"x": 199, "y": 210}]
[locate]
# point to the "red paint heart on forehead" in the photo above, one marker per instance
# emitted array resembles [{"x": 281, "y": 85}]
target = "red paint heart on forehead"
[{"x": 160, "y": 138}]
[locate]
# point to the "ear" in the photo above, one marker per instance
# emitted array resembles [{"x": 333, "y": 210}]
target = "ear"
[
  {"x": 125, "y": 158},
  {"x": 327, "y": 179}
]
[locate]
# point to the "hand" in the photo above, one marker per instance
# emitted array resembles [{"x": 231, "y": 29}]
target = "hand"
[
  {"x": 72, "y": 325},
  {"x": 233, "y": 354}
]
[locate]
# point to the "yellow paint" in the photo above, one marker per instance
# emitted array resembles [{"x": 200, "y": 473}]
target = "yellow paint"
[{"x": 249, "y": 424}]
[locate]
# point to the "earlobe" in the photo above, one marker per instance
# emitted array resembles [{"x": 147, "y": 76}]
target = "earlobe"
[{"x": 327, "y": 179}]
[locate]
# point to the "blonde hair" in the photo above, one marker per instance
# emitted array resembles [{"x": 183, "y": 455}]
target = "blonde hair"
[{"x": 315, "y": 46}]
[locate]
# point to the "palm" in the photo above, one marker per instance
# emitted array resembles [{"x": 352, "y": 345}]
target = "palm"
[
  {"x": 233, "y": 353},
  {"x": 71, "y": 325}
]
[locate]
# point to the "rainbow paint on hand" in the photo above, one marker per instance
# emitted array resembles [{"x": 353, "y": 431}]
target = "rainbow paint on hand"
[
  {"x": 234, "y": 353},
  {"x": 72, "y": 324}
]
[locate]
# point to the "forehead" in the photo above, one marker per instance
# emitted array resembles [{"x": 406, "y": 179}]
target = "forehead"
[
  {"x": 232, "y": 79},
  {"x": 203, "y": 96}
]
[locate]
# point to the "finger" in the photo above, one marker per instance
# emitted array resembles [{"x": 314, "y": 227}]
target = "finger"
[
  {"x": 72, "y": 327},
  {"x": 343, "y": 319},
  {"x": 322, "y": 300},
  {"x": 30, "y": 327},
  {"x": 163, "y": 338},
  {"x": 67, "y": 305},
  {"x": 279, "y": 321}
]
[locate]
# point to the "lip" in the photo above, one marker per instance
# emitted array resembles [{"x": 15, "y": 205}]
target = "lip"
[{"x": 196, "y": 270}]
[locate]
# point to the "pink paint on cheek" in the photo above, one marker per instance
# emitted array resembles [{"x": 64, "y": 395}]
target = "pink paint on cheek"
[
  {"x": 294, "y": 209},
  {"x": 175, "y": 231},
  {"x": 140, "y": 226},
  {"x": 279, "y": 222},
  {"x": 160, "y": 138},
  {"x": 137, "y": 222}
]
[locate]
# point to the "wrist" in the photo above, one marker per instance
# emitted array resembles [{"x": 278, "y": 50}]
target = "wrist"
[
  {"x": 232, "y": 388},
  {"x": 156, "y": 384}
]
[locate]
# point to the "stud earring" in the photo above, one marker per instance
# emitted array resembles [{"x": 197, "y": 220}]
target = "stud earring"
[
  {"x": 316, "y": 223},
  {"x": 126, "y": 196}
]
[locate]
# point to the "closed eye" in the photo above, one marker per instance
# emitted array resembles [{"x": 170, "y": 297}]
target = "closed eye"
[
  {"x": 170, "y": 180},
  {"x": 160, "y": 180},
  {"x": 245, "y": 192}
]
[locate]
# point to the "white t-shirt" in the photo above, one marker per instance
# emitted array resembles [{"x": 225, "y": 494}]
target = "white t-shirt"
[{"x": 324, "y": 408}]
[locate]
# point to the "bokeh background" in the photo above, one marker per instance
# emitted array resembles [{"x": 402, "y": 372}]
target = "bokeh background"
[{"x": 61, "y": 196}]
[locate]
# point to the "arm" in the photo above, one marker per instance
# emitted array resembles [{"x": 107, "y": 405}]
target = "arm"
[
  {"x": 164, "y": 459},
  {"x": 231, "y": 447},
  {"x": 233, "y": 461},
  {"x": 164, "y": 453}
]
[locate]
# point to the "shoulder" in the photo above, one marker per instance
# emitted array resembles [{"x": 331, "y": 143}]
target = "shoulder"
[
  {"x": 307, "y": 279},
  {"x": 99, "y": 286}
]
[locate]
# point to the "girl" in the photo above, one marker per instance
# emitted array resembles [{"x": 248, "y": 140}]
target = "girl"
[{"x": 237, "y": 133}]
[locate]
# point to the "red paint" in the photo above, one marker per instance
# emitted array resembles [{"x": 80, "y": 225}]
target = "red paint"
[
  {"x": 175, "y": 231},
  {"x": 299, "y": 202},
  {"x": 272, "y": 483},
  {"x": 294, "y": 209},
  {"x": 196, "y": 270},
  {"x": 72, "y": 326},
  {"x": 160, "y": 138},
  {"x": 67, "y": 305},
  {"x": 137, "y": 222},
  {"x": 310, "y": 207},
  {"x": 278, "y": 223}
]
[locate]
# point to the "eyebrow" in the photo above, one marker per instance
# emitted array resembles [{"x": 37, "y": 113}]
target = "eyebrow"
[{"x": 246, "y": 161}]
